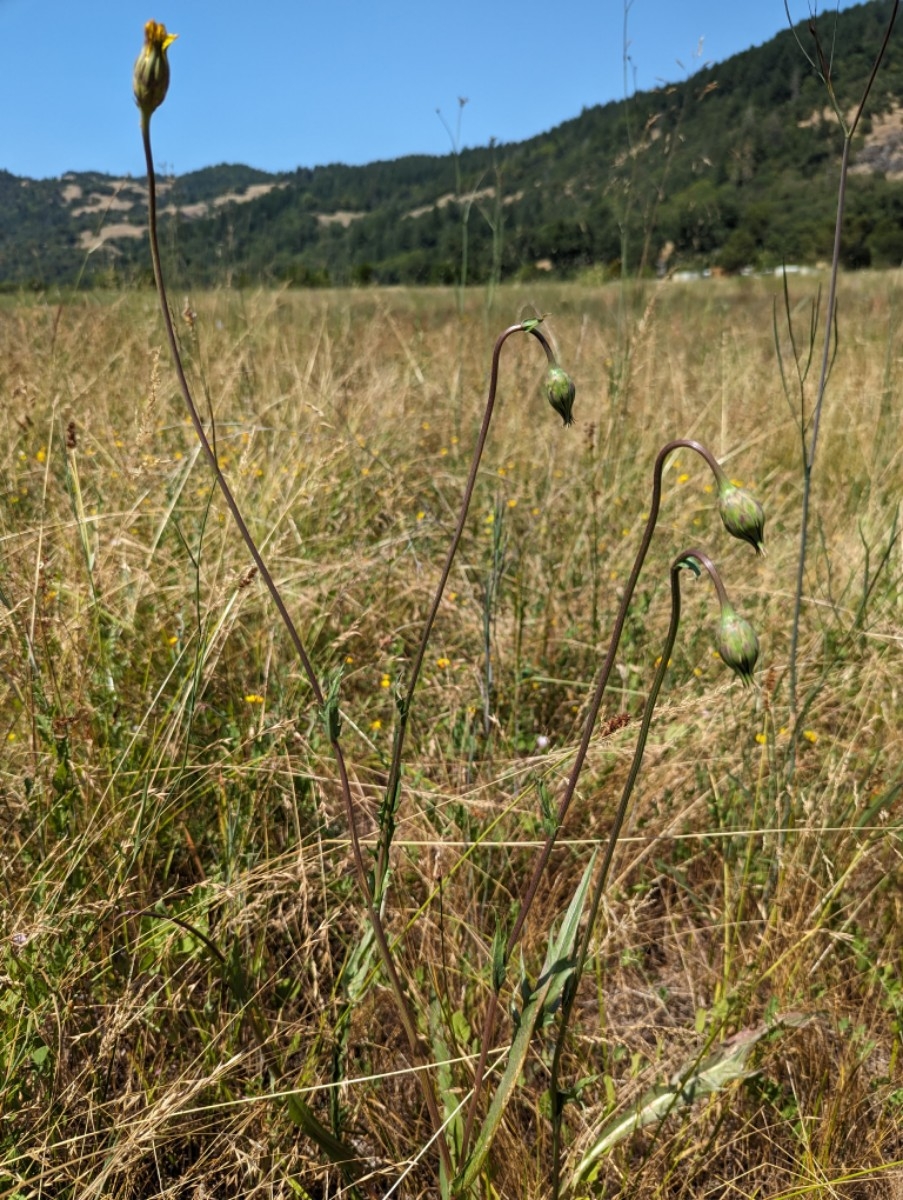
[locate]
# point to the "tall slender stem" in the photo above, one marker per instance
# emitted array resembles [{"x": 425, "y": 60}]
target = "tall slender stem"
[
  {"x": 617, "y": 824},
  {"x": 529, "y": 894},
  {"x": 404, "y": 707},
  {"x": 404, "y": 1010},
  {"x": 809, "y": 451}
]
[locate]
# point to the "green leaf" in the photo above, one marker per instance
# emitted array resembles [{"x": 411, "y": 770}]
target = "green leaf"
[
  {"x": 697, "y": 1078},
  {"x": 499, "y": 961},
  {"x": 541, "y": 1003},
  {"x": 547, "y": 808},
  {"x": 332, "y": 717}
]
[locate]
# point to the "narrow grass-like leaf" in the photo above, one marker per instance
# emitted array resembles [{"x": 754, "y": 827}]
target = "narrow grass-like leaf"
[
  {"x": 697, "y": 1079},
  {"x": 557, "y": 969}
]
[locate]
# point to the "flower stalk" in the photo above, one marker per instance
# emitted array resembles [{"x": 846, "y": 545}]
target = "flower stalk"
[
  {"x": 148, "y": 102},
  {"x": 563, "y": 386},
  {"x": 691, "y": 559},
  {"x": 532, "y": 887}
]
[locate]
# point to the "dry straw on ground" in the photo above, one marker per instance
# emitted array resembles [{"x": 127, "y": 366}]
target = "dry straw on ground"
[{"x": 160, "y": 750}]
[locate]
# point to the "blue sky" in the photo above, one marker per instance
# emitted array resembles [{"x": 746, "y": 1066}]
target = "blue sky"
[{"x": 286, "y": 83}]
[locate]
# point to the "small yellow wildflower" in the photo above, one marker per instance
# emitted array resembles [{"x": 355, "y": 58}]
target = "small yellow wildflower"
[
  {"x": 385, "y": 682},
  {"x": 697, "y": 671},
  {"x": 443, "y": 452},
  {"x": 443, "y": 662},
  {"x": 737, "y": 482},
  {"x": 502, "y": 472},
  {"x": 376, "y": 725},
  {"x": 761, "y": 738},
  {"x": 151, "y": 77},
  {"x": 253, "y": 698},
  {"x": 708, "y": 489},
  {"x": 41, "y": 455},
  {"x": 425, "y": 426},
  {"x": 365, "y": 470},
  {"x": 810, "y": 735},
  {"x": 454, "y": 441},
  {"x": 421, "y": 515},
  {"x": 10, "y": 737},
  {"x": 683, "y": 477},
  {"x": 512, "y": 504},
  {"x": 172, "y": 641},
  {"x": 349, "y": 659}
]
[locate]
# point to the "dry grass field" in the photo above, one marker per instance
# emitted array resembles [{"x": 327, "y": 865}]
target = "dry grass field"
[{"x": 184, "y": 948}]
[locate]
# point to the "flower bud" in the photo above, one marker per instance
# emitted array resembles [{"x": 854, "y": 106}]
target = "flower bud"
[
  {"x": 737, "y": 643},
  {"x": 742, "y": 515},
  {"x": 560, "y": 390},
  {"x": 151, "y": 77}
]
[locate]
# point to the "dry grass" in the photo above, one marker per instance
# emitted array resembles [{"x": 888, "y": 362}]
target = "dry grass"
[{"x": 160, "y": 750}]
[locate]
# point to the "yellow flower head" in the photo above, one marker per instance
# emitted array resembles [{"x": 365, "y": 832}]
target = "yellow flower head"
[{"x": 151, "y": 78}]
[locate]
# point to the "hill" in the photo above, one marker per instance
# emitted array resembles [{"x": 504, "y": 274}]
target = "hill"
[{"x": 734, "y": 167}]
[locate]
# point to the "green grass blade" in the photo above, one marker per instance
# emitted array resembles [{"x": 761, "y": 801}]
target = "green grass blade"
[{"x": 557, "y": 969}]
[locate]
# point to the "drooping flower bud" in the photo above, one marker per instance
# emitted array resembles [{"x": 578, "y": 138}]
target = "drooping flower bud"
[
  {"x": 737, "y": 643},
  {"x": 151, "y": 77},
  {"x": 742, "y": 515},
  {"x": 560, "y": 390}
]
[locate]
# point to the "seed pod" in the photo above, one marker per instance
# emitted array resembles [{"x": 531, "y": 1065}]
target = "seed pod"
[
  {"x": 742, "y": 515},
  {"x": 151, "y": 77},
  {"x": 737, "y": 643},
  {"x": 560, "y": 390}
]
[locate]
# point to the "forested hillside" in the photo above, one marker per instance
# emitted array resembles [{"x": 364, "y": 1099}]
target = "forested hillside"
[{"x": 734, "y": 167}]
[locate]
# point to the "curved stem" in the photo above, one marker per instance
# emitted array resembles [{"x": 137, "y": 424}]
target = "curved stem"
[
  {"x": 404, "y": 1010},
  {"x": 404, "y": 705},
  {"x": 605, "y": 866},
  {"x": 545, "y": 852}
]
